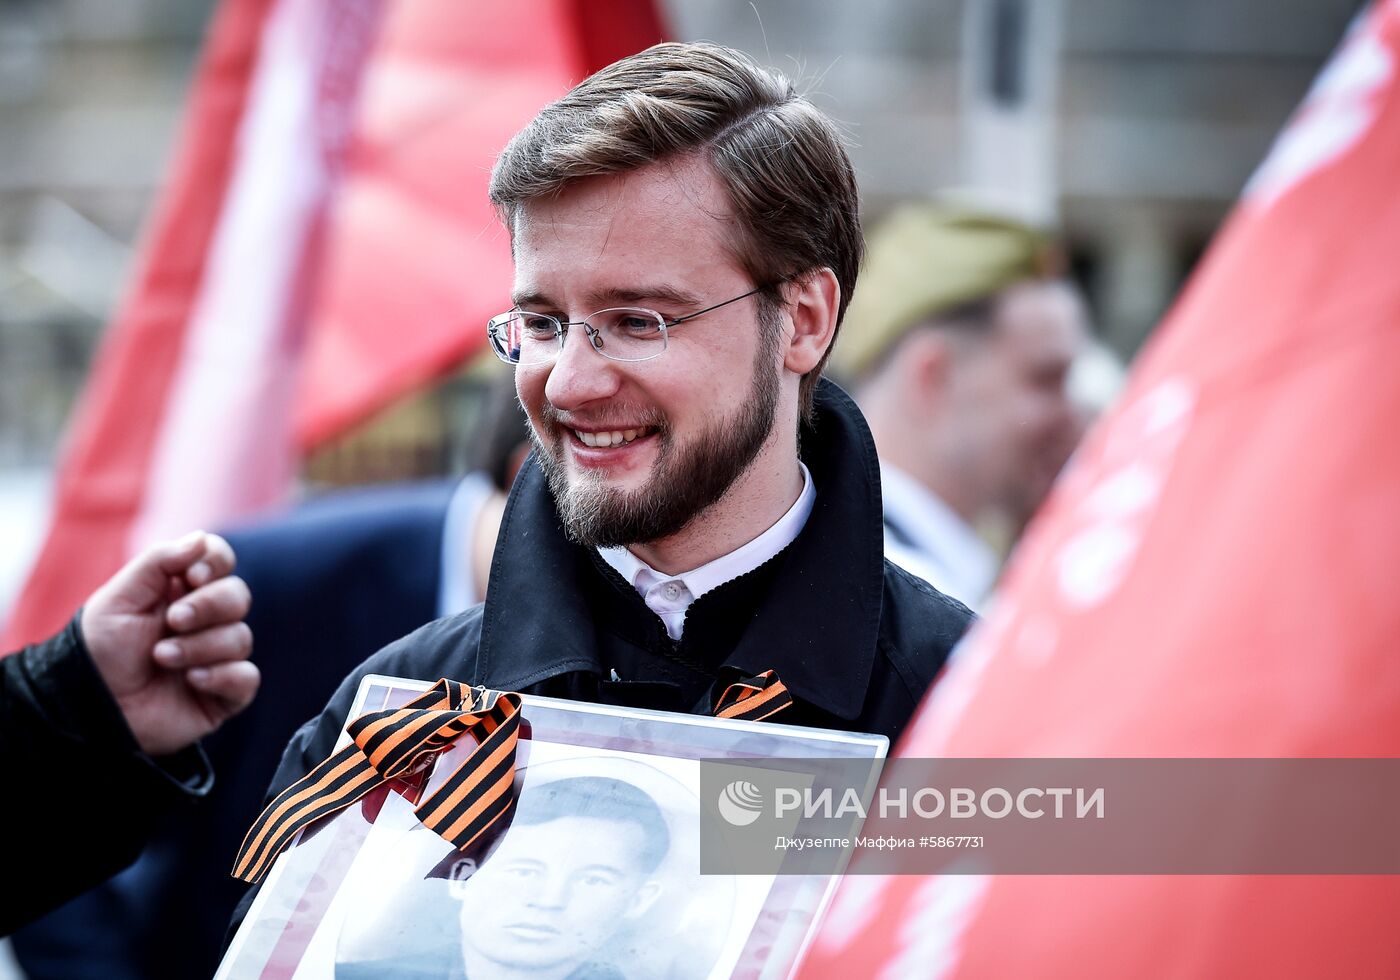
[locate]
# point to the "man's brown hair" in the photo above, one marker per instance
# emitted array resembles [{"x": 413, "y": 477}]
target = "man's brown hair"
[{"x": 782, "y": 162}]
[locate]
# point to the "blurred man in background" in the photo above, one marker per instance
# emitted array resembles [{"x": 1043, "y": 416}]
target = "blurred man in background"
[{"x": 959, "y": 343}]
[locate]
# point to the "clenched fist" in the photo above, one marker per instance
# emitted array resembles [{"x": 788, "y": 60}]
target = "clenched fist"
[{"x": 167, "y": 635}]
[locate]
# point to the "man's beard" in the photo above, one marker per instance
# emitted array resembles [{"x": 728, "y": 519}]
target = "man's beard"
[{"x": 685, "y": 479}]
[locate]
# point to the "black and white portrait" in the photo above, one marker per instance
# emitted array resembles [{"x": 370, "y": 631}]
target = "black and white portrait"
[{"x": 595, "y": 878}]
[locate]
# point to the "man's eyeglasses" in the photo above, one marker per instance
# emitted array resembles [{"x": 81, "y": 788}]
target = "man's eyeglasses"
[{"x": 623, "y": 334}]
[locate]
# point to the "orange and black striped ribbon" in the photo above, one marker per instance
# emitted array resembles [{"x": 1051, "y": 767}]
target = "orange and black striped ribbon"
[
  {"x": 754, "y": 698},
  {"x": 391, "y": 743}
]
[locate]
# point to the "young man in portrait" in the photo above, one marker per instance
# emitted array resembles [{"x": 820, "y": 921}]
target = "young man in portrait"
[{"x": 580, "y": 865}]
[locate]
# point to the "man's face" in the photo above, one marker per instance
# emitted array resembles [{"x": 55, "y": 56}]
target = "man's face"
[
  {"x": 681, "y": 430},
  {"x": 1011, "y": 411},
  {"x": 542, "y": 900}
]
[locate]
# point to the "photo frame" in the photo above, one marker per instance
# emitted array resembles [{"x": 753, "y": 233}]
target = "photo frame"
[{"x": 596, "y": 876}]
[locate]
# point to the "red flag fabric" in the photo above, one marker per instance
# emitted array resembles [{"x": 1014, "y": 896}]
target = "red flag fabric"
[
  {"x": 323, "y": 245},
  {"x": 184, "y": 420},
  {"x": 417, "y": 261},
  {"x": 1216, "y": 577}
]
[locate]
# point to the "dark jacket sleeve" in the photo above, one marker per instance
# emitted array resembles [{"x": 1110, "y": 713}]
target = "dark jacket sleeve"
[
  {"x": 444, "y": 648},
  {"x": 83, "y": 796}
]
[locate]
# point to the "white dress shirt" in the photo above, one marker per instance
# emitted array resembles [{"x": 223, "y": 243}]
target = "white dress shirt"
[
  {"x": 669, "y": 596},
  {"x": 925, "y": 536}
]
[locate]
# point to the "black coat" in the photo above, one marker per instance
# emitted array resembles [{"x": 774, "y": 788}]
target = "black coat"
[
  {"x": 332, "y": 581},
  {"x": 856, "y": 639},
  {"x": 82, "y": 796}
]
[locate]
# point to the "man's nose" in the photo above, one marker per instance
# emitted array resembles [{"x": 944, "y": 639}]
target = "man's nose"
[
  {"x": 550, "y": 892},
  {"x": 579, "y": 374}
]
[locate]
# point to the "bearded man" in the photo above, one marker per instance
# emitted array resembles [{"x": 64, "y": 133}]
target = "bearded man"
[{"x": 686, "y": 236}]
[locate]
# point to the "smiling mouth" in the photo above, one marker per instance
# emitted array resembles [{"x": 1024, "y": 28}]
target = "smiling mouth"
[{"x": 614, "y": 437}]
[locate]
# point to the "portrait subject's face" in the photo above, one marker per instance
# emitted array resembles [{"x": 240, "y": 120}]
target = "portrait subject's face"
[
  {"x": 542, "y": 902},
  {"x": 681, "y": 430}
]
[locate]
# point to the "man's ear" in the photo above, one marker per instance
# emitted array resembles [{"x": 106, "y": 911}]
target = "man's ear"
[
  {"x": 644, "y": 899},
  {"x": 812, "y": 304},
  {"x": 462, "y": 870},
  {"x": 924, "y": 359}
]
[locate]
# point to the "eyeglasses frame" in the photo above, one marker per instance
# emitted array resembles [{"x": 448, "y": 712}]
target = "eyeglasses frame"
[{"x": 595, "y": 340}]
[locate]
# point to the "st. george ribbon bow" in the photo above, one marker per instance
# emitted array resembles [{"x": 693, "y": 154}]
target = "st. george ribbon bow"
[{"x": 393, "y": 742}]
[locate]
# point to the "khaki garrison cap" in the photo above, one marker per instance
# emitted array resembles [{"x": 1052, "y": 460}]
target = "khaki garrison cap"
[{"x": 927, "y": 259}]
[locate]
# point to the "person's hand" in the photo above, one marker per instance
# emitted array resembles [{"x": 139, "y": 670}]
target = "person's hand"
[{"x": 167, "y": 635}]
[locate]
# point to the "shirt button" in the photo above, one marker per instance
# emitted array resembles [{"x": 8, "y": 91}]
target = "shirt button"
[{"x": 671, "y": 591}]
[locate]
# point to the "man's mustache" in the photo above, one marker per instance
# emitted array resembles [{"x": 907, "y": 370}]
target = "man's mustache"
[{"x": 605, "y": 417}]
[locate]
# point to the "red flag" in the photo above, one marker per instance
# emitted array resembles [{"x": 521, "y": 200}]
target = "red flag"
[
  {"x": 182, "y": 421},
  {"x": 323, "y": 245},
  {"x": 1216, "y": 577},
  {"x": 417, "y": 260}
]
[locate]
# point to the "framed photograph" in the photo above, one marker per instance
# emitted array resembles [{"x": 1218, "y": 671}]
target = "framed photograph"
[{"x": 597, "y": 874}]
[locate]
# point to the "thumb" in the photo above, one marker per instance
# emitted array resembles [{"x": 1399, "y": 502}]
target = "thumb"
[{"x": 143, "y": 581}]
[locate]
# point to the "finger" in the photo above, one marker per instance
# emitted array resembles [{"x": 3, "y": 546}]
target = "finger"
[
  {"x": 218, "y": 561},
  {"x": 231, "y": 685},
  {"x": 224, "y": 600},
  {"x": 218, "y": 644},
  {"x": 175, "y": 557},
  {"x": 144, "y": 579},
  {"x": 176, "y": 588}
]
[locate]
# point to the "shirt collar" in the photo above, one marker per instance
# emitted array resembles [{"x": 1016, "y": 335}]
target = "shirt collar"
[
  {"x": 962, "y": 564},
  {"x": 725, "y": 568}
]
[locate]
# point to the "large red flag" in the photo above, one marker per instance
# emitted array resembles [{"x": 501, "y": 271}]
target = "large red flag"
[
  {"x": 323, "y": 245},
  {"x": 1218, "y": 576}
]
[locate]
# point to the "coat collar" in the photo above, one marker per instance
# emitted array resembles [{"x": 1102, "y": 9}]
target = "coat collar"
[{"x": 818, "y": 627}]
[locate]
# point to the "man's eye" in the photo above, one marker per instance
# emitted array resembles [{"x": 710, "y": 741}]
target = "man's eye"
[
  {"x": 632, "y": 322},
  {"x": 538, "y": 326}
]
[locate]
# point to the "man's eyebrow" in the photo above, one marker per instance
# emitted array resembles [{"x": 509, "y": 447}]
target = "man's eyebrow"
[
  {"x": 610, "y": 868},
  {"x": 620, "y": 296},
  {"x": 658, "y": 292},
  {"x": 525, "y": 859},
  {"x": 531, "y": 298}
]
